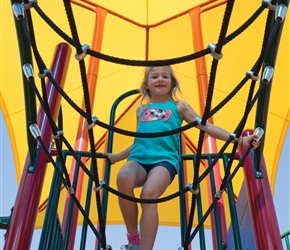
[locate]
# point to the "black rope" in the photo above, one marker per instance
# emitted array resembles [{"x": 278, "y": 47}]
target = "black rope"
[
  {"x": 225, "y": 23},
  {"x": 207, "y": 113},
  {"x": 146, "y": 201},
  {"x": 66, "y": 185},
  {"x": 61, "y": 136},
  {"x": 86, "y": 95},
  {"x": 215, "y": 200},
  {"x": 246, "y": 24},
  {"x": 147, "y": 62},
  {"x": 52, "y": 24},
  {"x": 146, "y": 135},
  {"x": 54, "y": 130}
]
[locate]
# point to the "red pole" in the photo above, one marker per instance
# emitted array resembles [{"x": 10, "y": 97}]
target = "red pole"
[
  {"x": 261, "y": 204},
  {"x": 20, "y": 230}
]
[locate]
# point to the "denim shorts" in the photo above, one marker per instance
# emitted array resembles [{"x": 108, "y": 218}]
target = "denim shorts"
[{"x": 171, "y": 169}]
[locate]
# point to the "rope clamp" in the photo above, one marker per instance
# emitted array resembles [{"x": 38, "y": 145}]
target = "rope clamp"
[
  {"x": 200, "y": 126},
  {"x": 281, "y": 12},
  {"x": 194, "y": 191},
  {"x": 81, "y": 56},
  {"x": 70, "y": 190},
  {"x": 252, "y": 76},
  {"x": 58, "y": 134},
  {"x": 270, "y": 5},
  {"x": 235, "y": 137},
  {"x": 259, "y": 132},
  {"x": 27, "y": 70},
  {"x": 90, "y": 126},
  {"x": 34, "y": 130},
  {"x": 29, "y": 4},
  {"x": 17, "y": 10},
  {"x": 98, "y": 188},
  {"x": 44, "y": 74},
  {"x": 215, "y": 55},
  {"x": 268, "y": 73},
  {"x": 219, "y": 193}
]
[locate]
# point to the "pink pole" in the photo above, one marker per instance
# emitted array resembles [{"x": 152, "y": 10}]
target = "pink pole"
[
  {"x": 21, "y": 227},
  {"x": 262, "y": 210}
]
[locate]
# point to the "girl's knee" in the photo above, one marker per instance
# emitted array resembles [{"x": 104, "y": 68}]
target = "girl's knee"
[
  {"x": 124, "y": 179},
  {"x": 148, "y": 193}
]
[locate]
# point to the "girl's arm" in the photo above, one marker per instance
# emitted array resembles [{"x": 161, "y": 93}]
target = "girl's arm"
[
  {"x": 119, "y": 156},
  {"x": 189, "y": 115}
]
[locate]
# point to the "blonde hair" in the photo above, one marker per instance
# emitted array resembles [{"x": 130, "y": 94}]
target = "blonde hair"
[{"x": 173, "y": 93}]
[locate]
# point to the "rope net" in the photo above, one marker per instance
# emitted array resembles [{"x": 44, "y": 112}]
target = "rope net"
[{"x": 99, "y": 187}]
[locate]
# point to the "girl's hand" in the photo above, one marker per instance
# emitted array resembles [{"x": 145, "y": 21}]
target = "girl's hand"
[
  {"x": 112, "y": 157},
  {"x": 245, "y": 141}
]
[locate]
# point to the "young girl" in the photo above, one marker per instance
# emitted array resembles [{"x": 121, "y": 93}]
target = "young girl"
[{"x": 153, "y": 162}]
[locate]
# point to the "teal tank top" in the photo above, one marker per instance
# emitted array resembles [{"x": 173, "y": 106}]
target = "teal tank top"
[{"x": 157, "y": 117}]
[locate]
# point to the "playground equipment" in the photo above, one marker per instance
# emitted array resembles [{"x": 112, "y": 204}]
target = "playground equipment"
[{"x": 68, "y": 201}]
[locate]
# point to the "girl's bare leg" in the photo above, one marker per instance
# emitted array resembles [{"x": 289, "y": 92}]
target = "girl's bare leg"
[
  {"x": 130, "y": 176},
  {"x": 157, "y": 182}
]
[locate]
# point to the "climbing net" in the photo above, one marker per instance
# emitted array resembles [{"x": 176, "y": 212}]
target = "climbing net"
[{"x": 23, "y": 14}]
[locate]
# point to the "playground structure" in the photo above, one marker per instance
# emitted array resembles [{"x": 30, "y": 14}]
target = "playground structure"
[{"x": 34, "y": 170}]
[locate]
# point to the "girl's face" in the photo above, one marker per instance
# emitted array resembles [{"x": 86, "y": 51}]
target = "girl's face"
[{"x": 159, "y": 83}]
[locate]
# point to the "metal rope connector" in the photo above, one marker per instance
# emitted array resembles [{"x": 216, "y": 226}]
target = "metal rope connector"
[
  {"x": 194, "y": 191},
  {"x": 34, "y": 130},
  {"x": 70, "y": 190},
  {"x": 58, "y": 134},
  {"x": 27, "y": 70},
  {"x": 219, "y": 193},
  {"x": 90, "y": 126},
  {"x": 97, "y": 189},
  {"x": 17, "y": 10},
  {"x": 235, "y": 137},
  {"x": 268, "y": 73},
  {"x": 84, "y": 54},
  {"x": 258, "y": 132},
  {"x": 44, "y": 74},
  {"x": 200, "y": 126},
  {"x": 281, "y": 12},
  {"x": 253, "y": 77},
  {"x": 29, "y": 4},
  {"x": 215, "y": 55},
  {"x": 270, "y": 5}
]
